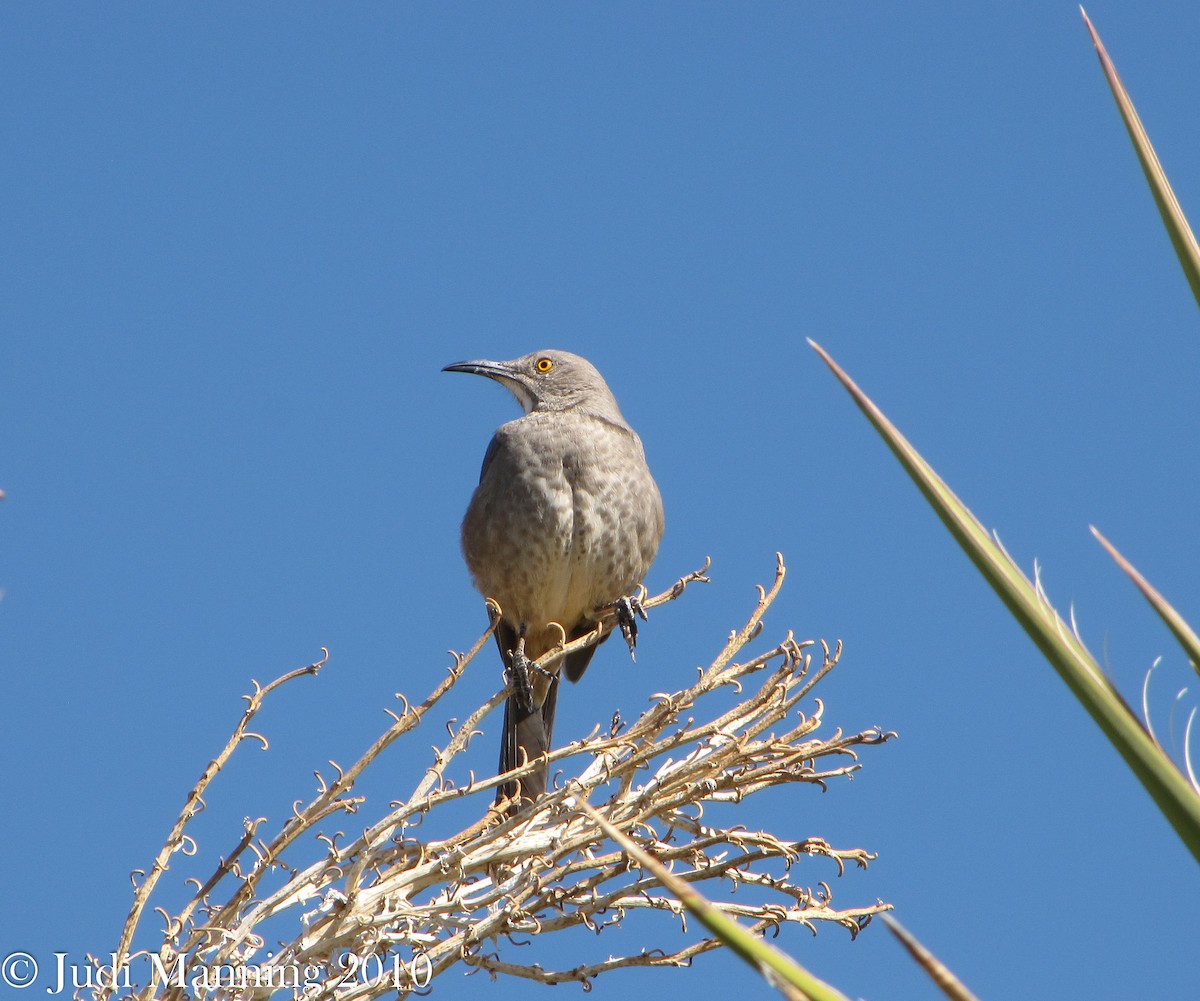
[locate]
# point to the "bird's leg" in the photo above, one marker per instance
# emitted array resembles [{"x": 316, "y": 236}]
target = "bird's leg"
[
  {"x": 519, "y": 675},
  {"x": 629, "y": 609}
]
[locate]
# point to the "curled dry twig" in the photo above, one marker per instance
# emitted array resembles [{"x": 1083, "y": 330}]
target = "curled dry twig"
[{"x": 388, "y": 893}]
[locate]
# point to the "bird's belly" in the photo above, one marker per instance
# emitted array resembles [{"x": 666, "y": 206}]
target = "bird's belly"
[{"x": 551, "y": 550}]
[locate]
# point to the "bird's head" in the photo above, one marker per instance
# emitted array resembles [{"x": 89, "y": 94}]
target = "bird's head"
[{"x": 547, "y": 380}]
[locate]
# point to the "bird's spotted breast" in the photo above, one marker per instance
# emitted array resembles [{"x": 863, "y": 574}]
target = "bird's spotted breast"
[{"x": 557, "y": 529}]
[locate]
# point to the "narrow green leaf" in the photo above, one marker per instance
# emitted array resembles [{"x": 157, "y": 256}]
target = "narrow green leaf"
[
  {"x": 1164, "y": 197},
  {"x": 1179, "y": 803},
  {"x": 938, "y": 972},
  {"x": 776, "y": 967},
  {"x": 1175, "y": 622}
]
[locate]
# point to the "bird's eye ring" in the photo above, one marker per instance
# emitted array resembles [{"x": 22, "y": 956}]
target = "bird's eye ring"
[{"x": 544, "y": 365}]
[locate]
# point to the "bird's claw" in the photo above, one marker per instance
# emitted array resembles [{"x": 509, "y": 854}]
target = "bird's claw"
[
  {"x": 629, "y": 609},
  {"x": 520, "y": 674},
  {"x": 518, "y": 677}
]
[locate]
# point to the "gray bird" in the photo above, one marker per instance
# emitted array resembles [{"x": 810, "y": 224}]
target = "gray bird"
[{"x": 566, "y": 520}]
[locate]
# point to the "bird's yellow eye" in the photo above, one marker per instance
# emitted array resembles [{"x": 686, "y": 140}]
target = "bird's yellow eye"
[{"x": 544, "y": 365}]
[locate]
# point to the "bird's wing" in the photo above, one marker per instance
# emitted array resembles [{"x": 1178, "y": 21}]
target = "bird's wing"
[{"x": 492, "y": 449}]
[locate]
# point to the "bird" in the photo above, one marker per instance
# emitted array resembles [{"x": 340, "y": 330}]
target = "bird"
[{"x": 564, "y": 524}]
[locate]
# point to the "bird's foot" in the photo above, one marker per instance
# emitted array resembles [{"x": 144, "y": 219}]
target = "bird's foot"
[
  {"x": 629, "y": 609},
  {"x": 520, "y": 677}
]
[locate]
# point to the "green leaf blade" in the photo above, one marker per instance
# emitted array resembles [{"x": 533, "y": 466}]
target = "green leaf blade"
[
  {"x": 1182, "y": 238},
  {"x": 1175, "y": 622},
  {"x": 1170, "y": 790}
]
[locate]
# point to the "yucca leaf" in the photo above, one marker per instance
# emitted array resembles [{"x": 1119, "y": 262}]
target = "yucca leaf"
[
  {"x": 1179, "y": 803},
  {"x": 1175, "y": 622},
  {"x": 1164, "y": 197},
  {"x": 938, "y": 971}
]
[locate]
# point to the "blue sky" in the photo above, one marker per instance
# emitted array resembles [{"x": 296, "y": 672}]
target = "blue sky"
[{"x": 239, "y": 244}]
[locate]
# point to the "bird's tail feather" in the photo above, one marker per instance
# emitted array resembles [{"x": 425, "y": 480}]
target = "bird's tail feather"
[{"x": 527, "y": 736}]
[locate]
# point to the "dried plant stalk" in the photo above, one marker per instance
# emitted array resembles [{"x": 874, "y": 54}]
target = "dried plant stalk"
[{"x": 390, "y": 911}]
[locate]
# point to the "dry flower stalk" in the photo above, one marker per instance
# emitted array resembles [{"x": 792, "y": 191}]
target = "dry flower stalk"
[{"x": 416, "y": 908}]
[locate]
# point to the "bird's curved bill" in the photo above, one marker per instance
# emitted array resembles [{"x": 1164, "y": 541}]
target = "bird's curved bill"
[{"x": 491, "y": 369}]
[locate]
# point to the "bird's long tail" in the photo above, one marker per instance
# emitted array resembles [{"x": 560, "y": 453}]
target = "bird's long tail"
[{"x": 526, "y": 736}]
